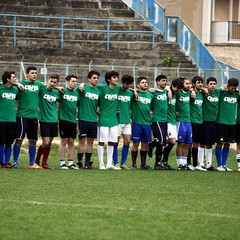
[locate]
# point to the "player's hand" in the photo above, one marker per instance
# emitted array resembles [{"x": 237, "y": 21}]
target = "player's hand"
[
  {"x": 81, "y": 87},
  {"x": 20, "y": 86}
]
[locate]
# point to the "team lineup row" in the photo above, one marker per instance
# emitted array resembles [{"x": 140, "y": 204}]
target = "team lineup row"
[{"x": 194, "y": 116}]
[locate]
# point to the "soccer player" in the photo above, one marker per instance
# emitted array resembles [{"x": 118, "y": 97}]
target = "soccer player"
[
  {"x": 69, "y": 101},
  {"x": 27, "y": 114},
  {"x": 125, "y": 97},
  {"x": 87, "y": 119},
  {"x": 159, "y": 121},
  {"x": 107, "y": 122},
  {"x": 226, "y": 123},
  {"x": 48, "y": 118},
  {"x": 210, "y": 109},
  {"x": 141, "y": 123},
  {"x": 184, "y": 127},
  {"x": 8, "y": 94}
]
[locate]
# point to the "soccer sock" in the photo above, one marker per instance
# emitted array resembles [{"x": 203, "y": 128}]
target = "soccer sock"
[
  {"x": 109, "y": 155},
  {"x": 208, "y": 153},
  {"x": 16, "y": 152},
  {"x": 238, "y": 159},
  {"x": 100, "y": 151},
  {"x": 184, "y": 160},
  {"x": 143, "y": 155},
  {"x": 31, "y": 153},
  {"x": 7, "y": 151},
  {"x": 1, "y": 153},
  {"x": 88, "y": 158},
  {"x": 201, "y": 156},
  {"x": 40, "y": 152},
  {"x": 70, "y": 162},
  {"x": 158, "y": 154},
  {"x": 80, "y": 157},
  {"x": 225, "y": 152},
  {"x": 45, "y": 155},
  {"x": 134, "y": 157},
  {"x": 179, "y": 160},
  {"x": 167, "y": 151},
  {"x": 218, "y": 152},
  {"x": 115, "y": 154},
  {"x": 125, "y": 151},
  {"x": 189, "y": 156},
  {"x": 195, "y": 156},
  {"x": 62, "y": 162}
]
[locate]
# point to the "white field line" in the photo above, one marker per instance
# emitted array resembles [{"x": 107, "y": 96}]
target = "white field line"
[{"x": 101, "y": 207}]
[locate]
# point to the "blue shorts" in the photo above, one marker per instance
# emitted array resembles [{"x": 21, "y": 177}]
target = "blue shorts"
[
  {"x": 141, "y": 133},
  {"x": 184, "y": 130}
]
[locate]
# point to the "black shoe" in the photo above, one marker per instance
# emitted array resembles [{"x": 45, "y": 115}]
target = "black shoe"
[
  {"x": 146, "y": 167},
  {"x": 88, "y": 166},
  {"x": 211, "y": 168},
  {"x": 181, "y": 167},
  {"x": 80, "y": 165},
  {"x": 160, "y": 166},
  {"x": 168, "y": 166}
]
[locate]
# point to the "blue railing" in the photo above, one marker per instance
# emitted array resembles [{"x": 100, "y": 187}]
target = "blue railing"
[{"x": 17, "y": 23}]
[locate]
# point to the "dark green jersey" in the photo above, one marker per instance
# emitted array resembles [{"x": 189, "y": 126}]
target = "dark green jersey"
[
  {"x": 108, "y": 105},
  {"x": 171, "y": 113},
  {"x": 125, "y": 97},
  {"x": 69, "y": 101},
  {"x": 183, "y": 106},
  {"x": 89, "y": 102},
  {"x": 210, "y": 105},
  {"x": 48, "y": 105},
  {"x": 141, "y": 108},
  {"x": 159, "y": 106},
  {"x": 7, "y": 103},
  {"x": 227, "y": 108},
  {"x": 28, "y": 99},
  {"x": 196, "y": 108}
]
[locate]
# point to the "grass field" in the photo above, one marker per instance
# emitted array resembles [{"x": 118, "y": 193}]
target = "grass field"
[{"x": 94, "y": 204}]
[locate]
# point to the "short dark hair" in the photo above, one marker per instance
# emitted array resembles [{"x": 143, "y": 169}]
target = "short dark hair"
[
  {"x": 233, "y": 82},
  {"x": 196, "y": 78},
  {"x": 160, "y": 77},
  {"x": 110, "y": 74},
  {"x": 31, "y": 68},
  {"x": 177, "y": 82},
  {"x": 6, "y": 75},
  {"x": 140, "y": 79},
  {"x": 92, "y": 72},
  {"x": 127, "y": 79},
  {"x": 68, "y": 77},
  {"x": 54, "y": 75},
  {"x": 211, "y": 79}
]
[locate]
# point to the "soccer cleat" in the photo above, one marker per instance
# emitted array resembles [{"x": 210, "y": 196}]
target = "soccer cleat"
[
  {"x": 221, "y": 169},
  {"x": 200, "y": 168},
  {"x": 124, "y": 167},
  {"x": 117, "y": 166},
  {"x": 160, "y": 166},
  {"x": 211, "y": 168},
  {"x": 72, "y": 166},
  {"x": 228, "y": 169},
  {"x": 189, "y": 167},
  {"x": 46, "y": 166},
  {"x": 146, "y": 167},
  {"x": 102, "y": 167},
  {"x": 64, "y": 167},
  {"x": 112, "y": 167},
  {"x": 80, "y": 165},
  {"x": 168, "y": 167},
  {"x": 35, "y": 166},
  {"x": 133, "y": 167},
  {"x": 15, "y": 165},
  {"x": 88, "y": 166},
  {"x": 238, "y": 169},
  {"x": 181, "y": 167},
  {"x": 8, "y": 165}
]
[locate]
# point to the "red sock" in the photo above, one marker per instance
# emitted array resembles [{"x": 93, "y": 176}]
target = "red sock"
[
  {"x": 45, "y": 155},
  {"x": 143, "y": 155},
  {"x": 134, "y": 157},
  {"x": 39, "y": 154}
]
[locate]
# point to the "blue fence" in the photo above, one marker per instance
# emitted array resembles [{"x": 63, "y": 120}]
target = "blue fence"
[{"x": 18, "y": 20}]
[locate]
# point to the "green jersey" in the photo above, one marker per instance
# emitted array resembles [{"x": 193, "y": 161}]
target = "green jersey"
[
  {"x": 69, "y": 101},
  {"x": 196, "y": 108},
  {"x": 7, "y": 103},
  {"x": 89, "y": 102},
  {"x": 171, "y": 113},
  {"x": 124, "y": 105},
  {"x": 141, "y": 108},
  {"x": 210, "y": 105},
  {"x": 48, "y": 105},
  {"x": 227, "y": 108},
  {"x": 28, "y": 99},
  {"x": 238, "y": 110},
  {"x": 183, "y": 106},
  {"x": 108, "y": 105},
  {"x": 159, "y": 106}
]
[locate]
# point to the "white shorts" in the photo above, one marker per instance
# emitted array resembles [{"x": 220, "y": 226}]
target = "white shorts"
[
  {"x": 171, "y": 131},
  {"x": 107, "y": 134},
  {"x": 124, "y": 129}
]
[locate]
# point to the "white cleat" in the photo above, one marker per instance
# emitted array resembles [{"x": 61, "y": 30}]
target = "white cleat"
[
  {"x": 221, "y": 169},
  {"x": 112, "y": 167},
  {"x": 102, "y": 167},
  {"x": 200, "y": 168}
]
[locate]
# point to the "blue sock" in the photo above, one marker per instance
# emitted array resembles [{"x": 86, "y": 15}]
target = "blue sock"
[
  {"x": 125, "y": 150},
  {"x": 115, "y": 154},
  {"x": 218, "y": 152},
  {"x": 8, "y": 151},
  {"x": 225, "y": 152},
  {"x": 16, "y": 152},
  {"x": 1, "y": 153},
  {"x": 31, "y": 153}
]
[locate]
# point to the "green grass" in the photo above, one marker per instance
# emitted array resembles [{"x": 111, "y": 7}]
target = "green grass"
[{"x": 94, "y": 204}]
